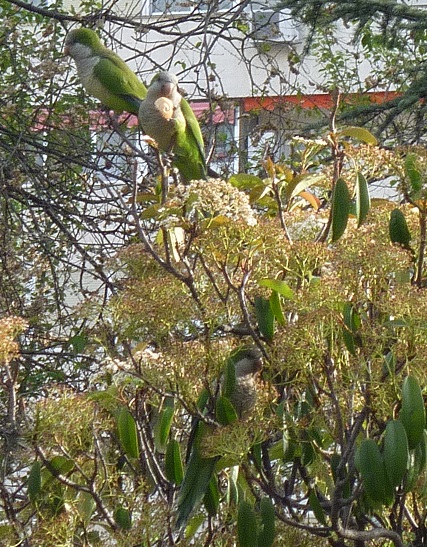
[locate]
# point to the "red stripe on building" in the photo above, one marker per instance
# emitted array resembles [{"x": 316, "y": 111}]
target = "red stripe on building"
[{"x": 319, "y": 100}]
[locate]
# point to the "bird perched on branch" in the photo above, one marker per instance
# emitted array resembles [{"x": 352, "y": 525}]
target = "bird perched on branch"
[
  {"x": 239, "y": 387},
  {"x": 103, "y": 73},
  {"x": 178, "y": 133}
]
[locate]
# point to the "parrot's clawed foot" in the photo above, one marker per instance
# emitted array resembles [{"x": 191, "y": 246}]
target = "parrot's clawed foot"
[
  {"x": 149, "y": 140},
  {"x": 167, "y": 160}
]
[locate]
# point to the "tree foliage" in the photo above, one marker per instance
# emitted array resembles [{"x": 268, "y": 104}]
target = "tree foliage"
[{"x": 122, "y": 299}]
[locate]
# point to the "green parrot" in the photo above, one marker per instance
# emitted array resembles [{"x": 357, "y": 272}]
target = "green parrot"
[
  {"x": 239, "y": 387},
  {"x": 173, "y": 125},
  {"x": 103, "y": 73}
]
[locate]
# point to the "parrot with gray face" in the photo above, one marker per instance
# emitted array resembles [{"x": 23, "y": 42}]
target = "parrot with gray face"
[
  {"x": 240, "y": 388},
  {"x": 103, "y": 73},
  {"x": 178, "y": 133}
]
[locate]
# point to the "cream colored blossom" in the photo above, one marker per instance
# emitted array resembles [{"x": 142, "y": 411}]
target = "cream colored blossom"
[
  {"x": 10, "y": 328},
  {"x": 215, "y": 198}
]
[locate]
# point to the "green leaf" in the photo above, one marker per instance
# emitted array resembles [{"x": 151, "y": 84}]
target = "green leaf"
[
  {"x": 277, "y": 285},
  {"x": 198, "y": 474},
  {"x": 211, "y": 498},
  {"x": 151, "y": 212},
  {"x": 247, "y": 527},
  {"x": 265, "y": 317},
  {"x": 60, "y": 465},
  {"x": 398, "y": 229},
  {"x": 163, "y": 427},
  {"x": 232, "y": 486},
  {"x": 359, "y": 133},
  {"x": 370, "y": 464},
  {"x": 276, "y": 307},
  {"x": 412, "y": 413},
  {"x": 174, "y": 469},
  {"x": 417, "y": 461},
  {"x": 244, "y": 181},
  {"x": 123, "y": 518},
  {"x": 34, "y": 482},
  {"x": 203, "y": 398},
  {"x": 78, "y": 343},
  {"x": 224, "y": 411},
  {"x": 413, "y": 173},
  {"x": 395, "y": 451},
  {"x": 267, "y": 531},
  {"x": 85, "y": 506},
  {"x": 127, "y": 433},
  {"x": 316, "y": 507},
  {"x": 299, "y": 183},
  {"x": 193, "y": 525},
  {"x": 340, "y": 209},
  {"x": 363, "y": 199},
  {"x": 351, "y": 324},
  {"x": 229, "y": 381}
]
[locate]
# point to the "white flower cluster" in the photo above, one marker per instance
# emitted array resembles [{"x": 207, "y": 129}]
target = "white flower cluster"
[{"x": 215, "y": 198}]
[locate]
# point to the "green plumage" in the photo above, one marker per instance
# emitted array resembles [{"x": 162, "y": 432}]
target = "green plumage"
[
  {"x": 103, "y": 73},
  {"x": 179, "y": 134}
]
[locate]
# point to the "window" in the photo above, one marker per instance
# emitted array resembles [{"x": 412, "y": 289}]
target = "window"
[{"x": 185, "y": 6}]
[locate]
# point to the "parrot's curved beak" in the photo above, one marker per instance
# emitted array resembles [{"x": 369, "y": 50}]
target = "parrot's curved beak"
[{"x": 167, "y": 89}]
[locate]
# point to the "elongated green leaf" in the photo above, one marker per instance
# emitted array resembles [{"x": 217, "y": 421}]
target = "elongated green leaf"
[
  {"x": 396, "y": 451},
  {"x": 174, "y": 469},
  {"x": 371, "y": 466},
  {"x": 416, "y": 465},
  {"x": 316, "y": 507},
  {"x": 398, "y": 229},
  {"x": 211, "y": 498},
  {"x": 412, "y": 413},
  {"x": 277, "y": 285},
  {"x": 127, "y": 433},
  {"x": 85, "y": 506},
  {"x": 300, "y": 183},
  {"x": 34, "y": 481},
  {"x": 198, "y": 474},
  {"x": 203, "y": 399},
  {"x": 193, "y": 525},
  {"x": 276, "y": 307},
  {"x": 267, "y": 531},
  {"x": 224, "y": 411},
  {"x": 162, "y": 428},
  {"x": 265, "y": 317},
  {"x": 351, "y": 324},
  {"x": 340, "y": 209},
  {"x": 247, "y": 526},
  {"x": 413, "y": 173},
  {"x": 229, "y": 381},
  {"x": 363, "y": 199},
  {"x": 359, "y": 133},
  {"x": 232, "y": 486}
]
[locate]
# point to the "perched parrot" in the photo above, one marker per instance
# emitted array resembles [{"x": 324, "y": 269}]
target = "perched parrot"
[
  {"x": 178, "y": 134},
  {"x": 241, "y": 390},
  {"x": 103, "y": 73}
]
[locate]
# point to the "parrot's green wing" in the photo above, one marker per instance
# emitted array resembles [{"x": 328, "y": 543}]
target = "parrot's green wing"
[
  {"x": 193, "y": 126},
  {"x": 124, "y": 90},
  {"x": 189, "y": 147}
]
